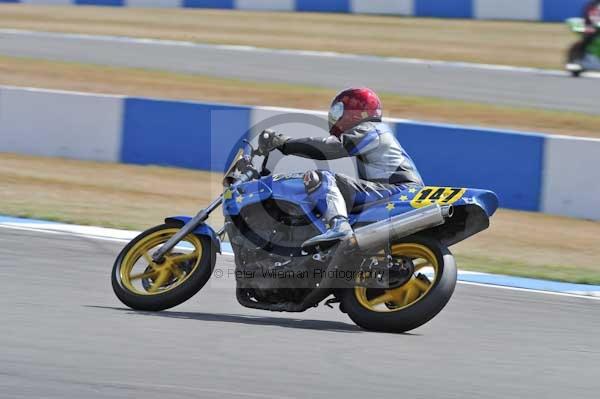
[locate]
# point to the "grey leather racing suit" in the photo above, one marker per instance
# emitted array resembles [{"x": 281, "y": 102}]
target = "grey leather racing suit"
[{"x": 383, "y": 167}]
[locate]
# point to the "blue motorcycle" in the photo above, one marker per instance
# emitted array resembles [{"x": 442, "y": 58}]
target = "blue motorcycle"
[{"x": 394, "y": 274}]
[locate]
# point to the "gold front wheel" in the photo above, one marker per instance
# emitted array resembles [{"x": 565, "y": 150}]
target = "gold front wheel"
[{"x": 143, "y": 284}]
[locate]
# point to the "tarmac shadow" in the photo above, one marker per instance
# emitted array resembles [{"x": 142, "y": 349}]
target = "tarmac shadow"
[{"x": 303, "y": 324}]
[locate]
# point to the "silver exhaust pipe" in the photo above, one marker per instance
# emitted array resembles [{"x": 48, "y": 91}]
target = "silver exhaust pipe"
[{"x": 375, "y": 235}]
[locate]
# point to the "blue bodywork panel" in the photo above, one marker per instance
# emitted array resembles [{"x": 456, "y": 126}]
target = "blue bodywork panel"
[
  {"x": 201, "y": 230},
  {"x": 473, "y": 207},
  {"x": 290, "y": 188},
  {"x": 408, "y": 200}
]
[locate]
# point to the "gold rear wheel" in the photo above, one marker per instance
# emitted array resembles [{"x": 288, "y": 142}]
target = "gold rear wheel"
[
  {"x": 396, "y": 299},
  {"x": 413, "y": 302}
]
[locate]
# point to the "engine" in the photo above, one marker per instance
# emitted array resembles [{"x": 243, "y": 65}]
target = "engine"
[{"x": 270, "y": 265}]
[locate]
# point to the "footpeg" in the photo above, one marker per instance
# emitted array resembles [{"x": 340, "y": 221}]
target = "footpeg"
[{"x": 331, "y": 301}]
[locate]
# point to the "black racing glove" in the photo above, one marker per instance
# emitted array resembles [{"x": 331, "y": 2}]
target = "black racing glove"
[{"x": 270, "y": 140}]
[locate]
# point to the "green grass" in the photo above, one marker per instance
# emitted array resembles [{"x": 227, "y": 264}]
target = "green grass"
[
  {"x": 65, "y": 217},
  {"x": 524, "y": 269}
]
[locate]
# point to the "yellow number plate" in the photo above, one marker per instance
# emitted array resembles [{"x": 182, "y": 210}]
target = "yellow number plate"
[{"x": 439, "y": 195}]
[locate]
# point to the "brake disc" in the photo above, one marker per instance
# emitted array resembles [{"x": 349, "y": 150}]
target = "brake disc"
[
  {"x": 400, "y": 272},
  {"x": 185, "y": 267}
]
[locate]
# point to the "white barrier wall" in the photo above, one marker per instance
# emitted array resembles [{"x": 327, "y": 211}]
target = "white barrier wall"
[
  {"x": 571, "y": 185},
  {"x": 60, "y": 124},
  {"x": 507, "y": 9},
  {"x": 154, "y": 3},
  {"x": 48, "y": 2},
  {"x": 399, "y": 7},
  {"x": 266, "y": 5}
]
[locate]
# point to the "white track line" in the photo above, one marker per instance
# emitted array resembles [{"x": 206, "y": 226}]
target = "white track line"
[
  {"x": 64, "y": 233},
  {"x": 123, "y": 240},
  {"x": 504, "y": 287},
  {"x": 307, "y": 53}
]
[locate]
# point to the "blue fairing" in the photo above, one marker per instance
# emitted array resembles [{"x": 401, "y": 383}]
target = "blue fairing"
[
  {"x": 288, "y": 187},
  {"x": 202, "y": 230},
  {"x": 291, "y": 188},
  {"x": 473, "y": 207},
  {"x": 404, "y": 202}
]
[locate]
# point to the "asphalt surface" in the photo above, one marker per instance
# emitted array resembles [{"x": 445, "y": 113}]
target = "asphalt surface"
[
  {"x": 545, "y": 90},
  {"x": 64, "y": 334}
]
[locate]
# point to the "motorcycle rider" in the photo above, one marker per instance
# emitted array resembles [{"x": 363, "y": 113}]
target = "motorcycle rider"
[
  {"x": 356, "y": 130},
  {"x": 591, "y": 15}
]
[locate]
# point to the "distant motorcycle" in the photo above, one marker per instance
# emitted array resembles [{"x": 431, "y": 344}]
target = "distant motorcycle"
[
  {"x": 395, "y": 273},
  {"x": 576, "y": 65}
]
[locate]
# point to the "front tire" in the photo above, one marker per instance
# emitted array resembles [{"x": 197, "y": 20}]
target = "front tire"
[
  {"x": 413, "y": 304},
  {"x": 576, "y": 74},
  {"x": 142, "y": 284}
]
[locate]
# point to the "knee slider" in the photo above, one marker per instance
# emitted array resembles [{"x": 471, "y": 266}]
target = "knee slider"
[{"x": 312, "y": 181}]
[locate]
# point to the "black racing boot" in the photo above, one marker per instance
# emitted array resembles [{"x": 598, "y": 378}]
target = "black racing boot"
[{"x": 339, "y": 230}]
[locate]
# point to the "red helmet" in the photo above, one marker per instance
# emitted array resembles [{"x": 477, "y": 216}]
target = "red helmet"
[{"x": 351, "y": 107}]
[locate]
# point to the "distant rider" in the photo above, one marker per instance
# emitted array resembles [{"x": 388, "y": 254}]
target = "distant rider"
[
  {"x": 356, "y": 130},
  {"x": 591, "y": 15}
]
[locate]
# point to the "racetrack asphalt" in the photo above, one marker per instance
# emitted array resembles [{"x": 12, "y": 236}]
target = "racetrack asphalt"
[
  {"x": 65, "y": 335},
  {"x": 552, "y": 90}
]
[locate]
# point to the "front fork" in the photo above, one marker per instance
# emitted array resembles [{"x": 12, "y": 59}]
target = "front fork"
[{"x": 189, "y": 227}]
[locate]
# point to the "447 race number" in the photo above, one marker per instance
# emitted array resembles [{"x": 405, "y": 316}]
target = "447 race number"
[{"x": 437, "y": 195}]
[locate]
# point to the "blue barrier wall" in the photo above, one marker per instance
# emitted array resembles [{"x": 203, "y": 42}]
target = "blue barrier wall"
[
  {"x": 508, "y": 163},
  {"x": 559, "y": 10},
  {"x": 203, "y": 136},
  {"x": 444, "y": 9},
  {"x": 544, "y": 10},
  {"x": 110, "y": 3},
  {"x": 323, "y": 6},
  {"x": 182, "y": 134},
  {"x": 226, "y": 4}
]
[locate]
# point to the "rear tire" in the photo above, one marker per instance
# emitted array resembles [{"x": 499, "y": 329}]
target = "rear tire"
[
  {"x": 169, "y": 298},
  {"x": 415, "y": 314},
  {"x": 574, "y": 57},
  {"x": 575, "y": 52}
]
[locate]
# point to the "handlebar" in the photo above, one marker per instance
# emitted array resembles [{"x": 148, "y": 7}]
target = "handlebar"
[
  {"x": 263, "y": 168},
  {"x": 245, "y": 166},
  {"x": 248, "y": 175}
]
